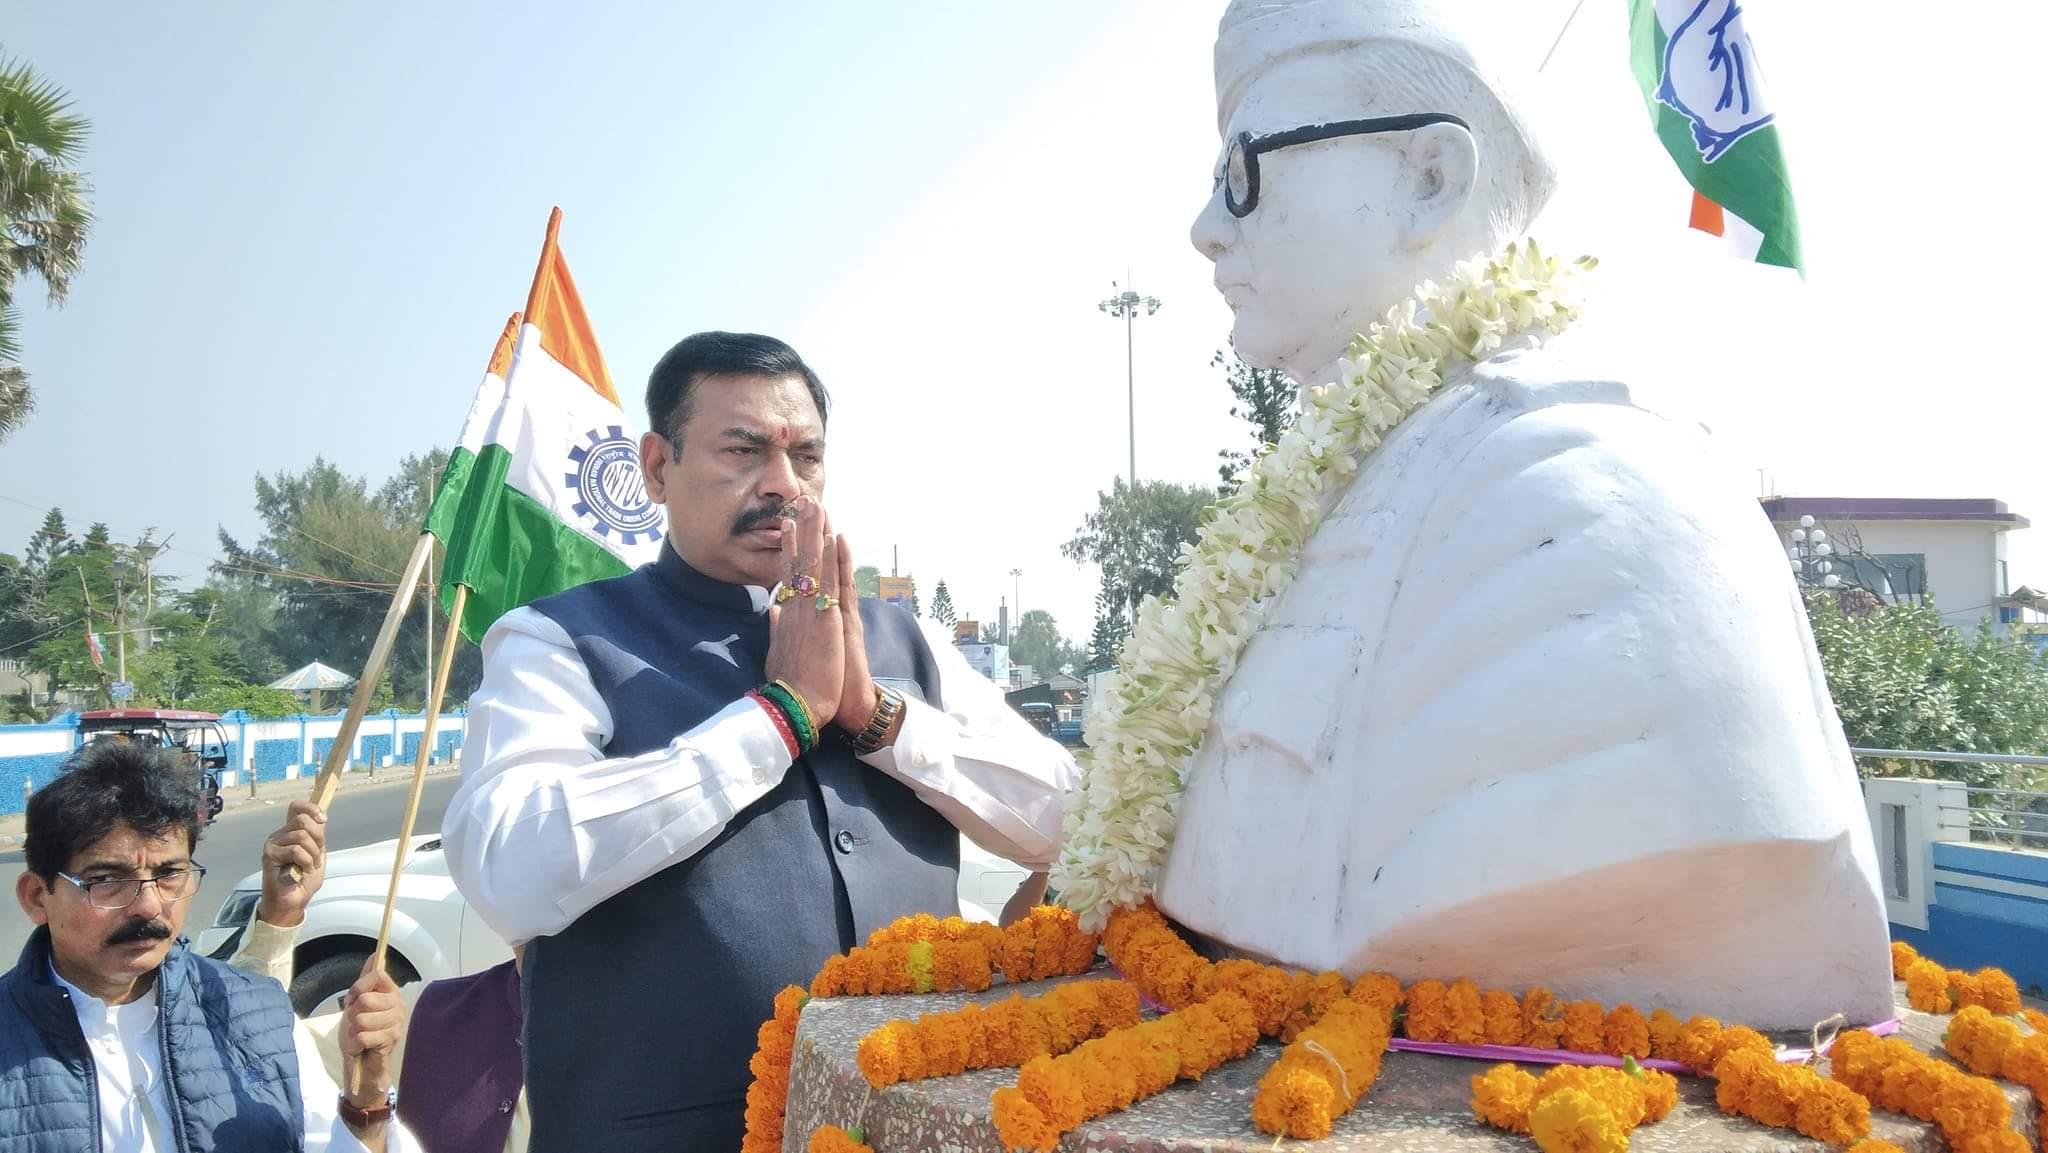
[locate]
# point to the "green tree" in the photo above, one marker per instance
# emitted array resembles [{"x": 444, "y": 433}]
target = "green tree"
[
  {"x": 1265, "y": 399},
  {"x": 1112, "y": 625},
  {"x": 942, "y": 606},
  {"x": 867, "y": 579},
  {"x": 1903, "y": 679},
  {"x": 79, "y": 590},
  {"x": 331, "y": 553},
  {"x": 1134, "y": 536},
  {"x": 1036, "y": 641},
  {"x": 256, "y": 700},
  {"x": 44, "y": 216}
]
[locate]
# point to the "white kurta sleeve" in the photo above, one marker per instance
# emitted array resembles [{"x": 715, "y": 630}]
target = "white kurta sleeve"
[
  {"x": 980, "y": 764},
  {"x": 326, "y": 1132},
  {"x": 544, "y": 826}
]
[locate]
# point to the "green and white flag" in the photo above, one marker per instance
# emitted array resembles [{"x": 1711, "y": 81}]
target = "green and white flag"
[
  {"x": 543, "y": 493},
  {"x": 1705, "y": 89}
]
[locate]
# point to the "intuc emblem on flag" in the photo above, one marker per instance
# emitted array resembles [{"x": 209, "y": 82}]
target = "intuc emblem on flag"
[
  {"x": 1711, "y": 77},
  {"x": 608, "y": 490}
]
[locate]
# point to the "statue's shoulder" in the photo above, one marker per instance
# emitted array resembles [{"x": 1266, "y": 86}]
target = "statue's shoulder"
[{"x": 1575, "y": 367}]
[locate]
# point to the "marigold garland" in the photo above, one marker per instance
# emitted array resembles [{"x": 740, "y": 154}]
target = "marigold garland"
[
  {"x": 1140, "y": 943},
  {"x": 775, "y": 1045},
  {"x": 1322, "y": 1074},
  {"x": 1753, "y": 1083},
  {"x": 1933, "y": 988},
  {"x": 1053, "y": 1095},
  {"x": 1972, "y": 1112},
  {"x": 1994, "y": 1047},
  {"x": 1004, "y": 1033},
  {"x": 833, "y": 1139},
  {"x": 1145, "y": 724},
  {"x": 1046, "y": 942},
  {"x": 1505, "y": 1096}
]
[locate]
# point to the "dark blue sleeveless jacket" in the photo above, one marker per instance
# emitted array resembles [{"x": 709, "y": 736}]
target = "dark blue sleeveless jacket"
[
  {"x": 227, "y": 1052},
  {"x": 641, "y": 1015}
]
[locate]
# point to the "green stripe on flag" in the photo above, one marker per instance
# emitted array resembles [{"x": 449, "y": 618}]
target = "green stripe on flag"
[
  {"x": 1749, "y": 180},
  {"x": 507, "y": 547}
]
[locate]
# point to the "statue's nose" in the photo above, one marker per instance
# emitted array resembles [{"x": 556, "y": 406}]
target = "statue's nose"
[{"x": 1213, "y": 229}]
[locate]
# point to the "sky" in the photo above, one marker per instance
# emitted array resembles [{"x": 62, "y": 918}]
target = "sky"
[{"x": 312, "y": 221}]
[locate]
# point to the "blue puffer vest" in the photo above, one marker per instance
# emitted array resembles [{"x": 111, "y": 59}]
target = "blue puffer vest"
[{"x": 227, "y": 1052}]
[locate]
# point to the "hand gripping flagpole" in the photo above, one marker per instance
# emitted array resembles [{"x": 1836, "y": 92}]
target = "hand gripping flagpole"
[{"x": 366, "y": 686}]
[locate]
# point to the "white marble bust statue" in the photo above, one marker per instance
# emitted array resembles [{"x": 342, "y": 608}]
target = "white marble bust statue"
[{"x": 1542, "y": 706}]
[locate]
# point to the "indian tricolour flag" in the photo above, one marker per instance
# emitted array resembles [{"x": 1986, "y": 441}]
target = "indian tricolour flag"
[
  {"x": 543, "y": 493},
  {"x": 1705, "y": 88}
]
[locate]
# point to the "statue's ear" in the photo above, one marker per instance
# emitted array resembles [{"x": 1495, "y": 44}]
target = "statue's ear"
[{"x": 1442, "y": 167}]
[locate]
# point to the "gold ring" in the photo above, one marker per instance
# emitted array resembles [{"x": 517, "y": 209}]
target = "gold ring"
[{"x": 826, "y": 601}]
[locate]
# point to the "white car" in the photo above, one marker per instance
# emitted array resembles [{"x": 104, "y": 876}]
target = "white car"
[{"x": 434, "y": 932}]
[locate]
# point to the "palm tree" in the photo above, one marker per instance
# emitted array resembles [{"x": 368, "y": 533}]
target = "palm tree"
[{"x": 43, "y": 212}]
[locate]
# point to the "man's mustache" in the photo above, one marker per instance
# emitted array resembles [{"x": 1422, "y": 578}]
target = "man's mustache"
[
  {"x": 138, "y": 930},
  {"x": 754, "y": 518}
]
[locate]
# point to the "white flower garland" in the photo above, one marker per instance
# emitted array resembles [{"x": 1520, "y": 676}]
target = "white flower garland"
[{"x": 1150, "y": 716}]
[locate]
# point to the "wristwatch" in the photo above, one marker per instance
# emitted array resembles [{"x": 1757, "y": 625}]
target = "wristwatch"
[
  {"x": 888, "y": 709},
  {"x": 357, "y": 1117}
]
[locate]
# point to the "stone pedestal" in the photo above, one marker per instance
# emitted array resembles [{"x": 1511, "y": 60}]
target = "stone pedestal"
[{"x": 1419, "y": 1105}]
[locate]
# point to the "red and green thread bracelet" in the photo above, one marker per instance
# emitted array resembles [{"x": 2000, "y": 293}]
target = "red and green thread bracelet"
[{"x": 795, "y": 713}]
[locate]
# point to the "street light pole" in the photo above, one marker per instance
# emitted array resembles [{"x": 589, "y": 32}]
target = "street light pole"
[
  {"x": 1124, "y": 306},
  {"x": 1017, "y": 592}
]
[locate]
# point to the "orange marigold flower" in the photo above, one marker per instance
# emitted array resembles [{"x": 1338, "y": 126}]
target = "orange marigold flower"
[
  {"x": 1429, "y": 1012},
  {"x": 1696, "y": 1043},
  {"x": 1626, "y": 1033},
  {"x": 833, "y": 1139},
  {"x": 1966, "y": 1105},
  {"x": 1754, "y": 1085},
  {"x": 1321, "y": 1076},
  {"x": 2035, "y": 1018},
  {"x": 1993, "y": 1141},
  {"x": 1660, "y": 1095},
  {"x": 1874, "y": 1145},
  {"x": 1736, "y": 1037},
  {"x": 1269, "y": 990},
  {"x": 1021, "y": 1124},
  {"x": 1585, "y": 1027},
  {"x": 1903, "y": 956},
  {"x": 1503, "y": 1016},
  {"x": 1467, "y": 1017},
  {"x": 1622, "y": 1095},
  {"x": 1502, "y": 1097},
  {"x": 1664, "y": 1031},
  {"x": 1964, "y": 988},
  {"x": 1998, "y": 992},
  {"x": 1379, "y": 990},
  {"x": 1979, "y": 1040},
  {"x": 1927, "y": 988},
  {"x": 2026, "y": 1063},
  {"x": 1542, "y": 1019},
  {"x": 1829, "y": 1110},
  {"x": 1153, "y": 957},
  {"x": 1314, "y": 995},
  {"x": 1569, "y": 1121}
]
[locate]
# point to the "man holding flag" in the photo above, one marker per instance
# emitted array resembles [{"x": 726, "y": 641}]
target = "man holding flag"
[{"x": 686, "y": 787}]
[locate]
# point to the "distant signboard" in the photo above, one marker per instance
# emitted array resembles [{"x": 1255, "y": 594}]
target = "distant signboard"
[
  {"x": 967, "y": 631},
  {"x": 899, "y": 591},
  {"x": 121, "y": 690},
  {"x": 991, "y": 661}
]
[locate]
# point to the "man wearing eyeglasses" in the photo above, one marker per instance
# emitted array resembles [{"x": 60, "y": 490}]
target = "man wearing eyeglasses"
[{"x": 115, "y": 1037}]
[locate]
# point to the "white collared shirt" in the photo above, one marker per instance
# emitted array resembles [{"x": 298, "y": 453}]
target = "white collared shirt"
[
  {"x": 128, "y": 1068},
  {"x": 134, "y": 1100},
  {"x": 544, "y": 826}
]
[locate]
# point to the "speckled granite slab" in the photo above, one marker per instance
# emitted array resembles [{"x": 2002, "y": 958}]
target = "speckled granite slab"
[{"x": 1420, "y": 1103}]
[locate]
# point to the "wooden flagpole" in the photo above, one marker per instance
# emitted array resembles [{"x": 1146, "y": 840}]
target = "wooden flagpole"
[
  {"x": 366, "y": 685},
  {"x": 437, "y": 693}
]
